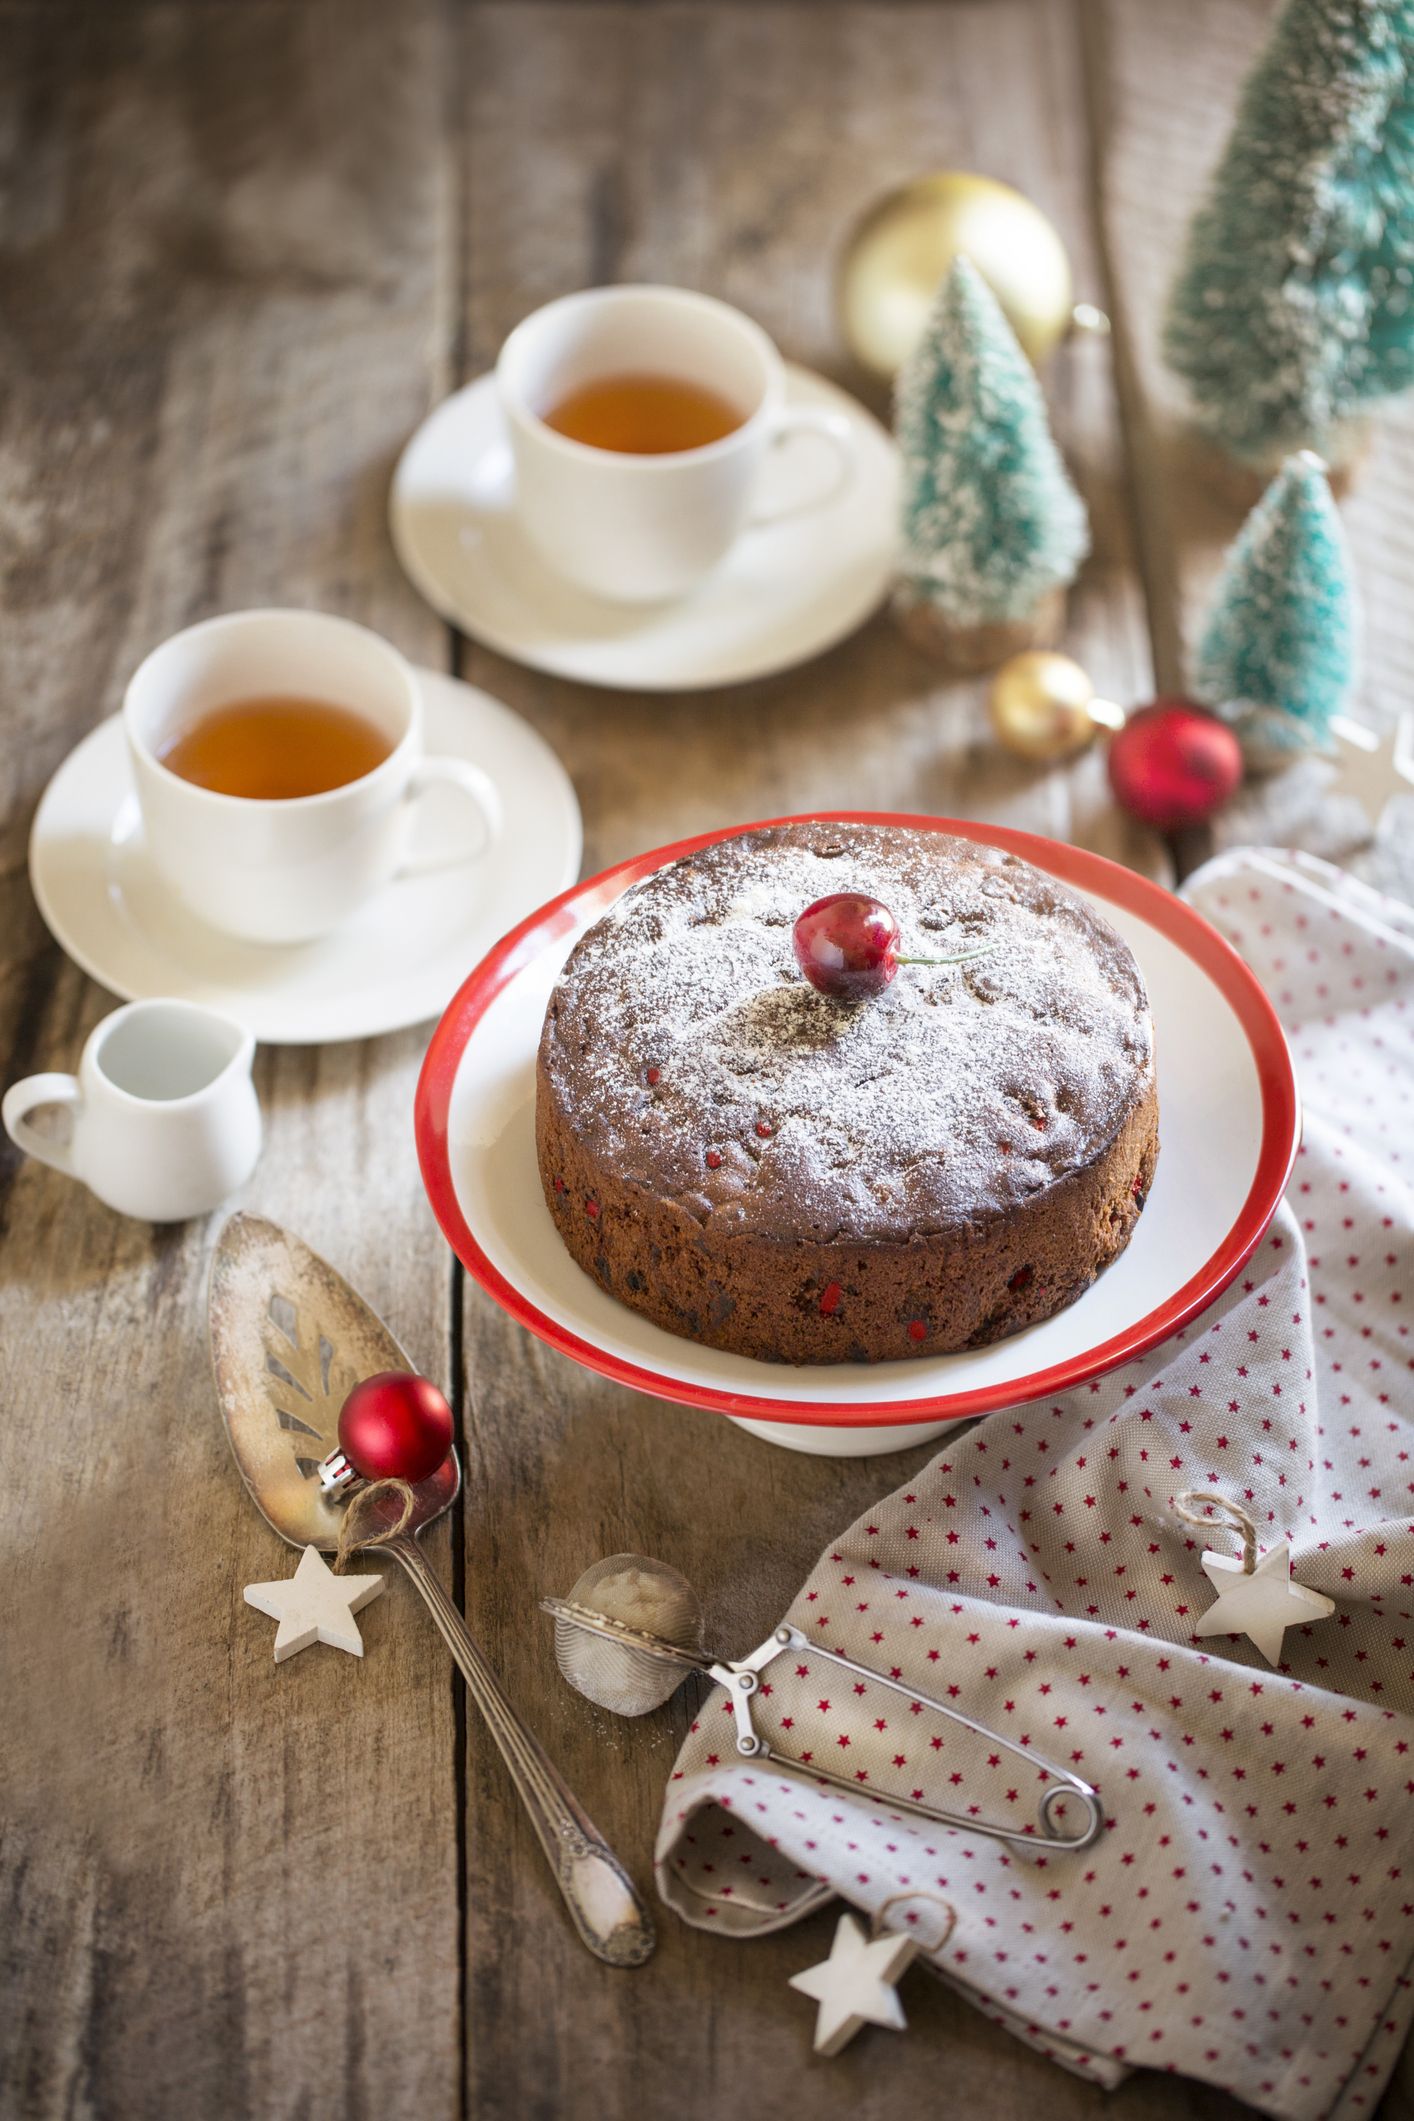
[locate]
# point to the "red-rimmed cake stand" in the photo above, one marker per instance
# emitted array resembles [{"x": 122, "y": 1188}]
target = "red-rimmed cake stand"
[{"x": 1229, "y": 1126}]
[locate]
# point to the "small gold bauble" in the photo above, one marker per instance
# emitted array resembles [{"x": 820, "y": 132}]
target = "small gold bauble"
[
  {"x": 897, "y": 254},
  {"x": 1043, "y": 707}
]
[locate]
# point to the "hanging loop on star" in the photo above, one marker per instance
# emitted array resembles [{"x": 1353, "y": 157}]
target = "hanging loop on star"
[
  {"x": 942, "y": 1928},
  {"x": 1236, "y": 1518}
]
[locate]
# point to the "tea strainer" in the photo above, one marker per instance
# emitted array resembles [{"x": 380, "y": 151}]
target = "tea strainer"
[{"x": 631, "y": 1630}]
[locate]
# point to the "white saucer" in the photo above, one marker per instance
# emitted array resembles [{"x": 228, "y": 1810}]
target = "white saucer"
[
  {"x": 784, "y": 592},
  {"x": 397, "y": 961}
]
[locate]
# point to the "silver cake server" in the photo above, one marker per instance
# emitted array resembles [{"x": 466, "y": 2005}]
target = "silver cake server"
[{"x": 289, "y": 1340}]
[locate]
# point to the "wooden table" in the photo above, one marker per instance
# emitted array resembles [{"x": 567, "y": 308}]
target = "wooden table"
[{"x": 243, "y": 247}]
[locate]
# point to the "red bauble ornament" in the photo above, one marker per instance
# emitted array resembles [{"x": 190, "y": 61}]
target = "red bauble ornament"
[
  {"x": 395, "y": 1426},
  {"x": 1172, "y": 764}
]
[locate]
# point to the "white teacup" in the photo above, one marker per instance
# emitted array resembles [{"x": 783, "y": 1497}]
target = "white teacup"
[
  {"x": 165, "y": 1120},
  {"x": 287, "y": 871},
  {"x": 639, "y": 529}
]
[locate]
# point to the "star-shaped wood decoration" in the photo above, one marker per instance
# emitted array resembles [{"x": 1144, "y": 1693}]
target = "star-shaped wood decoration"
[
  {"x": 314, "y": 1605},
  {"x": 854, "y": 1986},
  {"x": 1371, "y": 768},
  {"x": 1262, "y": 1604}
]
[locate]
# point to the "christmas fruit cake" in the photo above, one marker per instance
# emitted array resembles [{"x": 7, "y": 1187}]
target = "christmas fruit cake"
[{"x": 845, "y": 1092}]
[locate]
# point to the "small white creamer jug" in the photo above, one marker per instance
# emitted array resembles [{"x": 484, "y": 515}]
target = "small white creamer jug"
[{"x": 165, "y": 1119}]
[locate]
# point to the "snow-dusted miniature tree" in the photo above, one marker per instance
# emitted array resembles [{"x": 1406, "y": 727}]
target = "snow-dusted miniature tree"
[
  {"x": 1388, "y": 258},
  {"x": 992, "y": 529},
  {"x": 1292, "y": 306},
  {"x": 1277, "y": 652}
]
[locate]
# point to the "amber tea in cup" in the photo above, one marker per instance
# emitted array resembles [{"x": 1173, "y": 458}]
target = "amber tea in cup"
[
  {"x": 640, "y": 420},
  {"x": 234, "y": 720},
  {"x": 644, "y": 415},
  {"x": 276, "y": 748}
]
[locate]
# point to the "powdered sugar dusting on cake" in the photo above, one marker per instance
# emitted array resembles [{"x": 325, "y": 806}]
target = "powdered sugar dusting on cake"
[{"x": 685, "y": 1045}]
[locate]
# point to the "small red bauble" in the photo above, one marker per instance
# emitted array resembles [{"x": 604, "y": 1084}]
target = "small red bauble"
[
  {"x": 1172, "y": 765},
  {"x": 395, "y": 1426}
]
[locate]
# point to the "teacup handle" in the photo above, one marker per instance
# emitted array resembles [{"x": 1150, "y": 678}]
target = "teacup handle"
[
  {"x": 479, "y": 790},
  {"x": 832, "y": 427},
  {"x": 23, "y": 1098}
]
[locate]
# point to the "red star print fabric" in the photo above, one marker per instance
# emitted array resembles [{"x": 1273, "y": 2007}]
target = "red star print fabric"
[{"x": 1247, "y": 1915}]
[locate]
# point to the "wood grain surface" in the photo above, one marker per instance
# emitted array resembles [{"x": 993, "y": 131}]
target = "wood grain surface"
[
  {"x": 227, "y": 1889},
  {"x": 243, "y": 248}
]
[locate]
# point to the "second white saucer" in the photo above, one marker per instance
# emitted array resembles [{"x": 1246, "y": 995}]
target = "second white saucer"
[
  {"x": 396, "y": 961},
  {"x": 786, "y": 591}
]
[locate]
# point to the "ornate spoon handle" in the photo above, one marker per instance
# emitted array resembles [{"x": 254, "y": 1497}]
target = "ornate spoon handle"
[{"x": 600, "y": 1895}]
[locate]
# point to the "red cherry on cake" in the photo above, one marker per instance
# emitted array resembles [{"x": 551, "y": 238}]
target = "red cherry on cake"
[
  {"x": 847, "y": 946},
  {"x": 395, "y": 1426}
]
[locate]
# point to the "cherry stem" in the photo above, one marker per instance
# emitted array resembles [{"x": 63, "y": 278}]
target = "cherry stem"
[{"x": 964, "y": 957}]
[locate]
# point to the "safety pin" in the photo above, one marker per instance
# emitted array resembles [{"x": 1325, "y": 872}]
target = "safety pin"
[{"x": 741, "y": 1677}]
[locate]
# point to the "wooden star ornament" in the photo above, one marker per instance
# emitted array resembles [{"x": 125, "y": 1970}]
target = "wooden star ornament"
[
  {"x": 854, "y": 1987},
  {"x": 1261, "y": 1602},
  {"x": 314, "y": 1605},
  {"x": 1255, "y": 1598},
  {"x": 1370, "y": 768}
]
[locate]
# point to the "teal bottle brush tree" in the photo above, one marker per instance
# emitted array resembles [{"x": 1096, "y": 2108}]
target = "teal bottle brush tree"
[
  {"x": 1277, "y": 653},
  {"x": 992, "y": 531},
  {"x": 1294, "y": 304}
]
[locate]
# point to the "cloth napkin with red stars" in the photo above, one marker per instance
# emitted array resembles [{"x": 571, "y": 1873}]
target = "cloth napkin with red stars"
[{"x": 1247, "y": 1915}]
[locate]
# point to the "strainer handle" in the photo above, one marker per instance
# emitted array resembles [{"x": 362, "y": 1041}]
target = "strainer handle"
[{"x": 601, "y": 1897}]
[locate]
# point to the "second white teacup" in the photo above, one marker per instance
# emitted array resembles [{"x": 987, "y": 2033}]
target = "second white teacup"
[
  {"x": 289, "y": 869},
  {"x": 643, "y": 528}
]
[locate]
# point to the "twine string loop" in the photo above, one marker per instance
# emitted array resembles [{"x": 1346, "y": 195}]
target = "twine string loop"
[
  {"x": 357, "y": 1529},
  {"x": 944, "y": 1925},
  {"x": 1232, "y": 1517}
]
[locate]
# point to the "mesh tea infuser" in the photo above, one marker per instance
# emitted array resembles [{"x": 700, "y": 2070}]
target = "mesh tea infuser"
[{"x": 631, "y": 1630}]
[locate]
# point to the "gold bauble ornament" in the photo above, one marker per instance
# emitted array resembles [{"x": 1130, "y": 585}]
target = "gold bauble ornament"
[
  {"x": 898, "y": 253},
  {"x": 1043, "y": 707}
]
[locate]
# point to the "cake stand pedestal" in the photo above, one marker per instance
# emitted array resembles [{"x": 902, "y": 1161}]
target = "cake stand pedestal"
[{"x": 829, "y": 1440}]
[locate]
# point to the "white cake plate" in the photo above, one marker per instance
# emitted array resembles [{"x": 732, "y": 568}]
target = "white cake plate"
[{"x": 1229, "y": 1125}]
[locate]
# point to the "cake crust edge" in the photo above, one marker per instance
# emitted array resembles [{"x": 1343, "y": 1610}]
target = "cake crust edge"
[{"x": 800, "y": 1301}]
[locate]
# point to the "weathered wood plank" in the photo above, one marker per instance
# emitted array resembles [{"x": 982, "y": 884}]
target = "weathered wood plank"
[
  {"x": 729, "y": 149},
  {"x": 1163, "y": 83},
  {"x": 227, "y": 1889}
]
